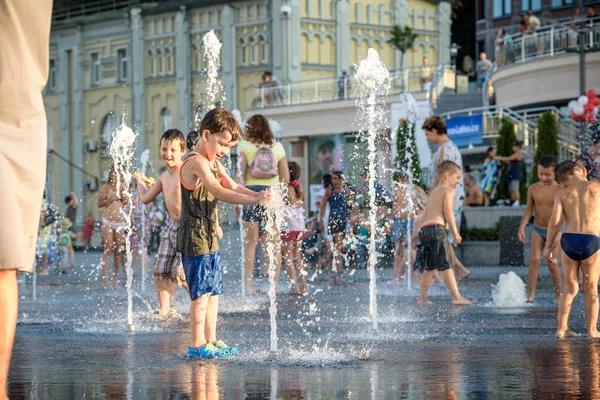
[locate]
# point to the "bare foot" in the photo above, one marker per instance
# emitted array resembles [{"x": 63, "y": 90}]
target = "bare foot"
[
  {"x": 567, "y": 333},
  {"x": 106, "y": 284},
  {"x": 594, "y": 334},
  {"x": 463, "y": 302},
  {"x": 423, "y": 302}
]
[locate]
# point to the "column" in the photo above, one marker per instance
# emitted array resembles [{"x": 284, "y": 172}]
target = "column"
[
  {"x": 138, "y": 74},
  {"x": 286, "y": 39},
  {"x": 229, "y": 58},
  {"x": 77, "y": 58},
  {"x": 65, "y": 118},
  {"x": 444, "y": 23},
  {"x": 400, "y": 18},
  {"x": 183, "y": 70},
  {"x": 342, "y": 36}
]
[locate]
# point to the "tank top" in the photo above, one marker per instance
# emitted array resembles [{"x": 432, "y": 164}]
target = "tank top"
[
  {"x": 196, "y": 234},
  {"x": 338, "y": 205}
]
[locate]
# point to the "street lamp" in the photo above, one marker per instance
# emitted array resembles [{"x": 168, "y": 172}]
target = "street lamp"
[{"x": 453, "y": 55}]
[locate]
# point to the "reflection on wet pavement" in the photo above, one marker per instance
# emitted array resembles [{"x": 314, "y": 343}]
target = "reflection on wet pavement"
[{"x": 71, "y": 343}]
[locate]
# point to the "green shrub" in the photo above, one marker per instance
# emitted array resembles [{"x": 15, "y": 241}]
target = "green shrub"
[
  {"x": 507, "y": 137},
  {"x": 484, "y": 234},
  {"x": 547, "y": 142}
]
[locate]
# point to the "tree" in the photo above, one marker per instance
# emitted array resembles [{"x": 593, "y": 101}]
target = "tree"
[
  {"x": 403, "y": 40},
  {"x": 547, "y": 141},
  {"x": 407, "y": 154},
  {"x": 504, "y": 144}
]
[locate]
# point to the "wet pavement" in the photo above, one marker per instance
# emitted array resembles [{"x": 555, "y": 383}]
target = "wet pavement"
[{"x": 71, "y": 343}]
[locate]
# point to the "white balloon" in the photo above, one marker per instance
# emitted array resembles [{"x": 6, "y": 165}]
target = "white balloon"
[
  {"x": 583, "y": 100},
  {"x": 573, "y": 104},
  {"x": 578, "y": 110}
]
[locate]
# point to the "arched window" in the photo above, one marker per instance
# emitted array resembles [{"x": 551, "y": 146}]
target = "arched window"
[
  {"x": 252, "y": 51},
  {"x": 159, "y": 61},
  {"x": 109, "y": 125},
  {"x": 168, "y": 62},
  {"x": 264, "y": 49},
  {"x": 151, "y": 63},
  {"x": 166, "y": 120},
  {"x": 242, "y": 47}
]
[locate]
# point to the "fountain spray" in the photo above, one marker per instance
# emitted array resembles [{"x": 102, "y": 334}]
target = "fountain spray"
[
  {"x": 373, "y": 79},
  {"x": 239, "y": 174},
  {"x": 145, "y": 161},
  {"x": 122, "y": 152}
]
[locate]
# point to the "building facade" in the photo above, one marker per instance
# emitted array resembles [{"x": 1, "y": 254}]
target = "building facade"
[{"x": 143, "y": 64}]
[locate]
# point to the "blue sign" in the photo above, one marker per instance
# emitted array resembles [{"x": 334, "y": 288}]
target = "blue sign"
[{"x": 464, "y": 131}]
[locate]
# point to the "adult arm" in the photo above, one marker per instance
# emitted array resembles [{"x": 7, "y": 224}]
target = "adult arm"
[
  {"x": 284, "y": 170},
  {"x": 526, "y": 216},
  {"x": 512, "y": 157},
  {"x": 556, "y": 221}
]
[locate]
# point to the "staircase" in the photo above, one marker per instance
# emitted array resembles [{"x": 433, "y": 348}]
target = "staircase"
[{"x": 450, "y": 101}]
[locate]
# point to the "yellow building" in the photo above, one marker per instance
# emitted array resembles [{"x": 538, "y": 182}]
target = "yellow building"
[{"x": 143, "y": 64}]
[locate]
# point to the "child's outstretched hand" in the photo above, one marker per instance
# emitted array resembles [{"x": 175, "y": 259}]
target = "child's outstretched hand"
[
  {"x": 457, "y": 238},
  {"x": 264, "y": 198}
]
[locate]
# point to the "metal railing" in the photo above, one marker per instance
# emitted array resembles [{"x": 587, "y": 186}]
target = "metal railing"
[
  {"x": 526, "y": 123},
  {"x": 442, "y": 79},
  {"x": 319, "y": 90},
  {"x": 549, "y": 41},
  {"x": 61, "y": 15}
]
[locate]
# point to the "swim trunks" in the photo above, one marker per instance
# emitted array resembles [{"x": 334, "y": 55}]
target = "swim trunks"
[
  {"x": 541, "y": 231},
  {"x": 399, "y": 230},
  {"x": 204, "y": 274},
  {"x": 579, "y": 246},
  {"x": 434, "y": 252},
  {"x": 168, "y": 260}
]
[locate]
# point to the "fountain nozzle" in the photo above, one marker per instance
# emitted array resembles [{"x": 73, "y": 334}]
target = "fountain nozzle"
[
  {"x": 130, "y": 328},
  {"x": 274, "y": 356}
]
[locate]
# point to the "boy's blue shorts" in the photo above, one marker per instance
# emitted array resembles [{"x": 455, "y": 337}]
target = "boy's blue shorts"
[{"x": 203, "y": 274}]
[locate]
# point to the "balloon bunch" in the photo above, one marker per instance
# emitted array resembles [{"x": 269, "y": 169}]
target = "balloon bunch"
[{"x": 585, "y": 107}]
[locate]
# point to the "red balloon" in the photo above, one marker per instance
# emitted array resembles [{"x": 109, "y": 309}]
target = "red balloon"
[
  {"x": 596, "y": 101},
  {"x": 589, "y": 107},
  {"x": 591, "y": 94},
  {"x": 574, "y": 116},
  {"x": 590, "y": 118}
]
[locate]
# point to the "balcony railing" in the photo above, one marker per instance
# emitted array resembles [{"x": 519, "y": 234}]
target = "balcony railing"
[
  {"x": 409, "y": 79},
  {"x": 549, "y": 41},
  {"x": 85, "y": 8}
]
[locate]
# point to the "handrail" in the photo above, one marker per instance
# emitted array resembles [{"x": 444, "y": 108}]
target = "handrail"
[
  {"x": 485, "y": 87},
  {"x": 434, "y": 84}
]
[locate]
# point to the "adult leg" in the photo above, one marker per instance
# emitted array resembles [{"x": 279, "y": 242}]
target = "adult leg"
[
  {"x": 461, "y": 271},
  {"x": 107, "y": 238},
  {"x": 571, "y": 272},
  {"x": 9, "y": 306},
  {"x": 555, "y": 270},
  {"x": 212, "y": 310},
  {"x": 198, "y": 310},
  {"x": 71, "y": 256},
  {"x": 251, "y": 235},
  {"x": 535, "y": 258},
  {"x": 399, "y": 262},
  {"x": 591, "y": 273}
]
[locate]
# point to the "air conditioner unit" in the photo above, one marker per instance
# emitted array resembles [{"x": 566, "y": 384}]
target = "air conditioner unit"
[
  {"x": 91, "y": 146},
  {"x": 92, "y": 184}
]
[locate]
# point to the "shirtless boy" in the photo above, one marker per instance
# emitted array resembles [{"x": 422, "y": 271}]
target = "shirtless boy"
[
  {"x": 540, "y": 201},
  {"x": 433, "y": 236},
  {"x": 168, "y": 270},
  {"x": 578, "y": 204}
]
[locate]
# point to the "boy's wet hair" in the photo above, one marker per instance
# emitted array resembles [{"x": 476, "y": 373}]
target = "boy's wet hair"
[
  {"x": 327, "y": 180},
  {"x": 339, "y": 173},
  {"x": 563, "y": 170},
  {"x": 448, "y": 166},
  {"x": 400, "y": 176},
  {"x": 219, "y": 120},
  {"x": 437, "y": 123},
  {"x": 67, "y": 199},
  {"x": 192, "y": 140},
  {"x": 173, "y": 135},
  {"x": 547, "y": 161}
]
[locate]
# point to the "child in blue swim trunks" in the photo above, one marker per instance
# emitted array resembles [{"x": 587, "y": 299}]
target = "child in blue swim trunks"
[
  {"x": 540, "y": 200},
  {"x": 204, "y": 181},
  {"x": 578, "y": 206}
]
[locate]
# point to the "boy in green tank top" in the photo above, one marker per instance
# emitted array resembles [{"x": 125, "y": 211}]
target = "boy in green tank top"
[{"x": 204, "y": 181}]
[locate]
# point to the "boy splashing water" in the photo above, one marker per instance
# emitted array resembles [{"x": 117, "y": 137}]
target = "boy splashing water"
[
  {"x": 540, "y": 200},
  {"x": 433, "y": 236},
  {"x": 204, "y": 181},
  {"x": 578, "y": 205}
]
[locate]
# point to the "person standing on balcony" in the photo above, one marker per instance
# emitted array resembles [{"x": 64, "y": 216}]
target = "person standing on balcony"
[
  {"x": 274, "y": 84},
  {"x": 482, "y": 67},
  {"x": 25, "y": 44},
  {"x": 500, "y": 48},
  {"x": 437, "y": 133},
  {"x": 425, "y": 74},
  {"x": 533, "y": 24},
  {"x": 344, "y": 85},
  {"x": 264, "y": 164}
]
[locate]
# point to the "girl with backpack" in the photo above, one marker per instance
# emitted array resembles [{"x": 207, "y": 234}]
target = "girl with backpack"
[{"x": 263, "y": 164}]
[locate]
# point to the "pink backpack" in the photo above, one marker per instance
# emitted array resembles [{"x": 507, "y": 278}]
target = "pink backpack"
[{"x": 264, "y": 165}]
